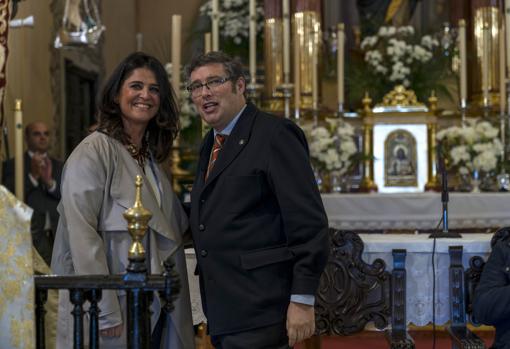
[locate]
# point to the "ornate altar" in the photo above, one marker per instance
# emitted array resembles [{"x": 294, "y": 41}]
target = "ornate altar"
[{"x": 399, "y": 143}]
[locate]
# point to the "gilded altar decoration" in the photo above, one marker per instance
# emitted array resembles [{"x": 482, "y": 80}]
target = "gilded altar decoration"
[
  {"x": 401, "y": 97},
  {"x": 400, "y": 159},
  {"x": 485, "y": 73},
  {"x": 17, "y": 317}
]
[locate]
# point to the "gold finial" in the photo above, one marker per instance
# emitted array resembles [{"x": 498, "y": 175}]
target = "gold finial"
[
  {"x": 366, "y": 101},
  {"x": 17, "y": 104},
  {"x": 400, "y": 96},
  {"x": 433, "y": 101},
  {"x": 462, "y": 22},
  {"x": 137, "y": 218}
]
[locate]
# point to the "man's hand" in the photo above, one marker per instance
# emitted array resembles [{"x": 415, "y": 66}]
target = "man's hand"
[
  {"x": 300, "y": 322},
  {"x": 114, "y": 331},
  {"x": 36, "y": 166},
  {"x": 47, "y": 172}
]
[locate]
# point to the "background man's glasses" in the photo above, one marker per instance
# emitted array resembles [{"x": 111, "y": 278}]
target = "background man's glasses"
[{"x": 196, "y": 88}]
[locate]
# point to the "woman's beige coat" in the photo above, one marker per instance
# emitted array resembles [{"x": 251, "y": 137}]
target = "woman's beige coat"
[{"x": 92, "y": 238}]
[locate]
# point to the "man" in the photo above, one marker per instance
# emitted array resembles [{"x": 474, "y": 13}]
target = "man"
[
  {"x": 42, "y": 186},
  {"x": 257, "y": 219},
  {"x": 491, "y": 301}
]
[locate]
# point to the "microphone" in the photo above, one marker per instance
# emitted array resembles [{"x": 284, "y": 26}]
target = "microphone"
[
  {"x": 441, "y": 168},
  {"x": 444, "y": 195}
]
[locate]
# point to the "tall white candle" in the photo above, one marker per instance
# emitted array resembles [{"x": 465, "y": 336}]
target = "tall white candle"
[
  {"x": 207, "y": 42},
  {"x": 176, "y": 53},
  {"x": 286, "y": 40},
  {"x": 502, "y": 71},
  {"x": 315, "y": 78},
  {"x": 297, "y": 76},
  {"x": 18, "y": 151},
  {"x": 463, "y": 63},
  {"x": 340, "y": 62},
  {"x": 139, "y": 42},
  {"x": 215, "y": 25},
  {"x": 253, "y": 45},
  {"x": 485, "y": 66}
]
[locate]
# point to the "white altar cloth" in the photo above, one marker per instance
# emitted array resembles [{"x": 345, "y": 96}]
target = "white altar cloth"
[
  {"x": 419, "y": 268},
  {"x": 415, "y": 211},
  {"x": 418, "y": 265}
]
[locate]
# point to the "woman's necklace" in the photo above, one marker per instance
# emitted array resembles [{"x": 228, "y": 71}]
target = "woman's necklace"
[{"x": 139, "y": 154}]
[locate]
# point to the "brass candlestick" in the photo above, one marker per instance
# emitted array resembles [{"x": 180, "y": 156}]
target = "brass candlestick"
[
  {"x": 286, "y": 90},
  {"x": 253, "y": 92},
  {"x": 367, "y": 182},
  {"x": 137, "y": 218}
]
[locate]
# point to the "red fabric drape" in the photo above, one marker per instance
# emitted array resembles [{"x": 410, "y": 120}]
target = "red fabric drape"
[
  {"x": 307, "y": 5},
  {"x": 272, "y": 9}
]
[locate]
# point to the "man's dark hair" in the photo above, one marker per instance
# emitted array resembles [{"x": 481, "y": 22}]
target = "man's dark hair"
[
  {"x": 162, "y": 128},
  {"x": 233, "y": 67}
]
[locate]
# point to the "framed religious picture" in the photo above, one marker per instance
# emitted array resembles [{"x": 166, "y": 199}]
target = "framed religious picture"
[
  {"x": 400, "y": 157},
  {"x": 400, "y": 165}
]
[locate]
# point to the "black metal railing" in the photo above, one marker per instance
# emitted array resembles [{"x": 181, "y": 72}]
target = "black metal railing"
[{"x": 139, "y": 288}]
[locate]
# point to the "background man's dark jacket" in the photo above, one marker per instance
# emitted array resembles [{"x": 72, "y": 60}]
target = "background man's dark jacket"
[
  {"x": 258, "y": 224},
  {"x": 39, "y": 199}
]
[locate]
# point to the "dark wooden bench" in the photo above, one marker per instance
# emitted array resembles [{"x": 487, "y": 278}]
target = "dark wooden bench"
[{"x": 353, "y": 293}]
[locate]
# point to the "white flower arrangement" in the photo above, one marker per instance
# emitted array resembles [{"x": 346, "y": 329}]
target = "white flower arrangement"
[
  {"x": 394, "y": 53},
  {"x": 475, "y": 146},
  {"x": 234, "y": 18},
  {"x": 332, "y": 148}
]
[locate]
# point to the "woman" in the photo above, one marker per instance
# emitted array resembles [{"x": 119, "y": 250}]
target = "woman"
[{"x": 138, "y": 120}]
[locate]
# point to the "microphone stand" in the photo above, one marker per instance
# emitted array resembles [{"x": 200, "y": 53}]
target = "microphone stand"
[{"x": 444, "y": 199}]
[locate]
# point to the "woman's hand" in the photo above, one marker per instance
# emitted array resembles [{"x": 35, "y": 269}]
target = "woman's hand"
[{"x": 115, "y": 331}]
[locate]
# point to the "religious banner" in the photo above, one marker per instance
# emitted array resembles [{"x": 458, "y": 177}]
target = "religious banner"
[
  {"x": 17, "y": 330},
  {"x": 4, "y": 50}
]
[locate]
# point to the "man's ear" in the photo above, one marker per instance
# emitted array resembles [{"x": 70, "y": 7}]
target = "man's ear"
[{"x": 241, "y": 85}]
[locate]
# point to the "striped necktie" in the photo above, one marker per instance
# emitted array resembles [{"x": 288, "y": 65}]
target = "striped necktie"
[{"x": 219, "y": 140}]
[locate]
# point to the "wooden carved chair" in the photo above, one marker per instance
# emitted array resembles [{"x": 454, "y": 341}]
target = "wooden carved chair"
[
  {"x": 352, "y": 293},
  {"x": 462, "y": 337}
]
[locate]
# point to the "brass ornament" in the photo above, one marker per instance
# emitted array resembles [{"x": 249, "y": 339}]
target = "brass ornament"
[
  {"x": 402, "y": 97},
  {"x": 137, "y": 218}
]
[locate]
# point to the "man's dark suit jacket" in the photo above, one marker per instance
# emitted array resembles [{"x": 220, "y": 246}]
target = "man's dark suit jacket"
[
  {"x": 38, "y": 198},
  {"x": 258, "y": 224}
]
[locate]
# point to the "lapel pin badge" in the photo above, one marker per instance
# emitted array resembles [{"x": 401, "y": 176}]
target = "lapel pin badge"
[{"x": 241, "y": 142}]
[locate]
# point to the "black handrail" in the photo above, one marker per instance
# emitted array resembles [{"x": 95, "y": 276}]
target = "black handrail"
[{"x": 139, "y": 287}]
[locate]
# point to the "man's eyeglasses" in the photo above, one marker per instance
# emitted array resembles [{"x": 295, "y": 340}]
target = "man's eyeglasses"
[{"x": 196, "y": 88}]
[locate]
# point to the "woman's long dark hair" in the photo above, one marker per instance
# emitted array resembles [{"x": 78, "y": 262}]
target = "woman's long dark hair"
[{"x": 162, "y": 128}]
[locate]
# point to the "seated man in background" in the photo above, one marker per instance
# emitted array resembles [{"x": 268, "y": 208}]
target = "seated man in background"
[
  {"x": 491, "y": 303},
  {"x": 42, "y": 186}
]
